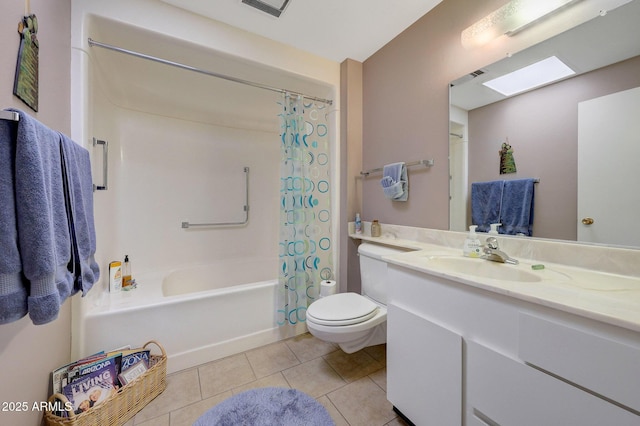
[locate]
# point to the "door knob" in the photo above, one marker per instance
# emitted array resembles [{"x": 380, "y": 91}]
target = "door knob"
[{"x": 587, "y": 221}]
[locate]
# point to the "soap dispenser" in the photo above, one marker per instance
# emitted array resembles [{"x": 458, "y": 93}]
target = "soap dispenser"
[
  {"x": 472, "y": 246},
  {"x": 494, "y": 228}
]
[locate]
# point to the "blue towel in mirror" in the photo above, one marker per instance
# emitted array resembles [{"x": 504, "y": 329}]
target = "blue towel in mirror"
[
  {"x": 516, "y": 215},
  {"x": 486, "y": 202}
]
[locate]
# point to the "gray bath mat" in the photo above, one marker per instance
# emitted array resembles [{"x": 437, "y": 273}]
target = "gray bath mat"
[{"x": 267, "y": 406}]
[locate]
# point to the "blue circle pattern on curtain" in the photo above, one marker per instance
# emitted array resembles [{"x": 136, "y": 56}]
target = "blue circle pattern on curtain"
[{"x": 305, "y": 208}]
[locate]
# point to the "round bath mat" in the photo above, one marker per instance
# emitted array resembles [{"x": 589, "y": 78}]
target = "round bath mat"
[{"x": 267, "y": 406}]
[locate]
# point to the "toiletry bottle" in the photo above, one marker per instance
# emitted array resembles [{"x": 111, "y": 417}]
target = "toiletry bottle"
[
  {"x": 126, "y": 273},
  {"x": 375, "y": 228},
  {"x": 494, "y": 228},
  {"x": 358, "y": 224},
  {"x": 472, "y": 245},
  {"x": 115, "y": 276}
]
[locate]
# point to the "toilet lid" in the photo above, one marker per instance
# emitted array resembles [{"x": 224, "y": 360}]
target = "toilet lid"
[{"x": 341, "y": 309}]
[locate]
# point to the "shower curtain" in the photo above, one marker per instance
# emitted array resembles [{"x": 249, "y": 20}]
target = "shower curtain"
[{"x": 305, "y": 212}]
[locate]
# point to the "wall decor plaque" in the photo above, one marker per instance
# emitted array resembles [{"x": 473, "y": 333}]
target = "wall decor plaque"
[{"x": 25, "y": 85}]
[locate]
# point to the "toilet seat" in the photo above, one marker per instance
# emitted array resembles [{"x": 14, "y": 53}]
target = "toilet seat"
[{"x": 341, "y": 310}]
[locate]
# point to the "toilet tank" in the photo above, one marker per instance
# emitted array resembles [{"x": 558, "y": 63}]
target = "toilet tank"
[{"x": 373, "y": 270}]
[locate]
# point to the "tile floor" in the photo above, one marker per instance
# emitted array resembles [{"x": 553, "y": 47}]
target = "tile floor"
[{"x": 352, "y": 387}]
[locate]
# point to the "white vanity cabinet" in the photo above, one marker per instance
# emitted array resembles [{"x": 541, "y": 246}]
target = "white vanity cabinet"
[
  {"x": 461, "y": 355},
  {"x": 425, "y": 380}
]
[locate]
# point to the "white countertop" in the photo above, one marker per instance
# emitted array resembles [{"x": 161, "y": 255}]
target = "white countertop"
[{"x": 603, "y": 296}]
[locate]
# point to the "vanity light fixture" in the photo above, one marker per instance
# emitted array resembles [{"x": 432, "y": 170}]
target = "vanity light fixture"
[
  {"x": 509, "y": 19},
  {"x": 534, "y": 75},
  {"x": 272, "y": 7}
]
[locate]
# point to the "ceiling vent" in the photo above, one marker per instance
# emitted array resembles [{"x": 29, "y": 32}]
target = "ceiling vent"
[
  {"x": 467, "y": 77},
  {"x": 272, "y": 7}
]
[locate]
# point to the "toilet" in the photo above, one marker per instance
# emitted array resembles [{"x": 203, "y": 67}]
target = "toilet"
[{"x": 355, "y": 321}]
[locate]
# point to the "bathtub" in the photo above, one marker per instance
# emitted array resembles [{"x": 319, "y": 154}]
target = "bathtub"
[{"x": 198, "y": 314}]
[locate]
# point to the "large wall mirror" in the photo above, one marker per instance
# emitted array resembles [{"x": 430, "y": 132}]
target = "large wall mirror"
[{"x": 580, "y": 135}]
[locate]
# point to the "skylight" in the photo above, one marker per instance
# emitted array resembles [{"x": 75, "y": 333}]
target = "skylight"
[{"x": 534, "y": 75}]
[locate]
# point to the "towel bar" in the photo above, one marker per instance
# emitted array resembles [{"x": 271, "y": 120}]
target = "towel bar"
[
  {"x": 9, "y": 115},
  {"x": 426, "y": 163},
  {"x": 187, "y": 225}
]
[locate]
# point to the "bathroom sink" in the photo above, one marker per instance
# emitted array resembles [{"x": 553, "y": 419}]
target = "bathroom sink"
[{"x": 483, "y": 268}]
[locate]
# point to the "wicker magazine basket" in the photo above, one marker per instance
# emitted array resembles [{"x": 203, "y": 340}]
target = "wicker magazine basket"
[{"x": 120, "y": 407}]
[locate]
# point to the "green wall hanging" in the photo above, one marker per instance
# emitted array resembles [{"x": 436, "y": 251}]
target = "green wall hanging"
[
  {"x": 25, "y": 84},
  {"x": 507, "y": 162}
]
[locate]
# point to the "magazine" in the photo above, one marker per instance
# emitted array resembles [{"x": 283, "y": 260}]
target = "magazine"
[
  {"x": 58, "y": 374},
  {"x": 132, "y": 373},
  {"x": 97, "y": 384},
  {"x": 80, "y": 370},
  {"x": 134, "y": 357}
]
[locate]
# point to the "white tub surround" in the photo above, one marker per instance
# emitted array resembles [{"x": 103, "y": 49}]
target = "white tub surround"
[{"x": 476, "y": 342}]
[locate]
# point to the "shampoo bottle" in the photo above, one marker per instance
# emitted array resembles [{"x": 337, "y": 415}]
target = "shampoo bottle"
[
  {"x": 472, "y": 245},
  {"x": 358, "y": 224},
  {"x": 126, "y": 274}
]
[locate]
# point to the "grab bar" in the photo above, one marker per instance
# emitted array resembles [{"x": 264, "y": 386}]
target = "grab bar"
[
  {"x": 105, "y": 164},
  {"x": 187, "y": 225}
]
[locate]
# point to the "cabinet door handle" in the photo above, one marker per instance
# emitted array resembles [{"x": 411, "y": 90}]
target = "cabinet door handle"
[{"x": 587, "y": 221}]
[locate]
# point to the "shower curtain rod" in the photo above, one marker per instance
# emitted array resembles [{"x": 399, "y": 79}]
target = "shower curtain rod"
[{"x": 201, "y": 71}]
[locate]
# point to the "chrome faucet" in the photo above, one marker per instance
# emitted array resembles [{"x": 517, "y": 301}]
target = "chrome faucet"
[{"x": 492, "y": 252}]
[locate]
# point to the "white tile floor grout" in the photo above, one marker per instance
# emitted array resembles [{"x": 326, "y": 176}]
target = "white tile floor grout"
[{"x": 352, "y": 387}]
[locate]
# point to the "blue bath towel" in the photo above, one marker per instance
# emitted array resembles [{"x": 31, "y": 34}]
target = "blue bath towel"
[
  {"x": 43, "y": 231},
  {"x": 517, "y": 207},
  {"x": 395, "y": 182},
  {"x": 77, "y": 170},
  {"x": 13, "y": 292},
  {"x": 486, "y": 200}
]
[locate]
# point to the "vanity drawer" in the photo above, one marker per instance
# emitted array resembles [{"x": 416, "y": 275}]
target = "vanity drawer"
[
  {"x": 504, "y": 391},
  {"x": 604, "y": 366}
]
